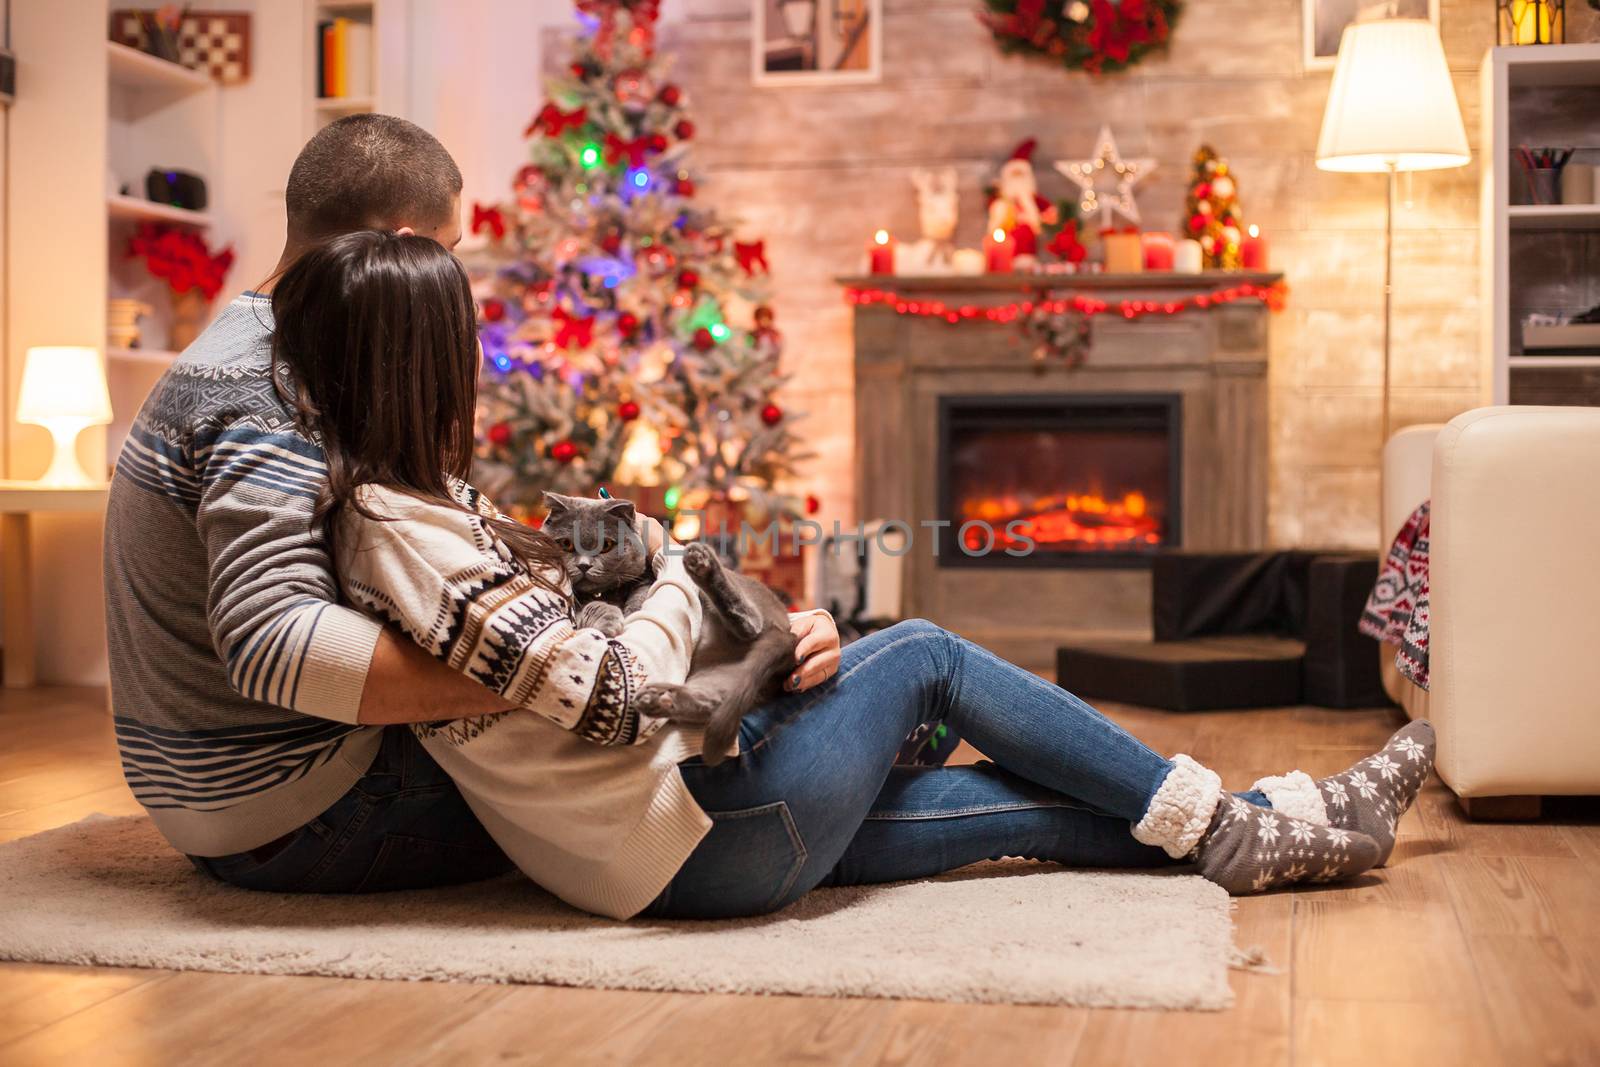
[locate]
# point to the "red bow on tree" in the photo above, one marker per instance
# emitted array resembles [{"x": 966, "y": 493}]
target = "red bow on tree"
[
  {"x": 616, "y": 148},
  {"x": 752, "y": 256},
  {"x": 551, "y": 121},
  {"x": 572, "y": 330},
  {"x": 490, "y": 218}
]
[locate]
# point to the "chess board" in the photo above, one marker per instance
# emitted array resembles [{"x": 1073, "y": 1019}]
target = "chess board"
[{"x": 213, "y": 42}]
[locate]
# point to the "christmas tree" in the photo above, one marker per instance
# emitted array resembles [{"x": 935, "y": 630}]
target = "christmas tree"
[
  {"x": 625, "y": 328},
  {"x": 1211, "y": 209}
]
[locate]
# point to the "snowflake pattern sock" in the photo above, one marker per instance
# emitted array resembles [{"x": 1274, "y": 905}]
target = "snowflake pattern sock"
[
  {"x": 1371, "y": 796},
  {"x": 1250, "y": 849}
]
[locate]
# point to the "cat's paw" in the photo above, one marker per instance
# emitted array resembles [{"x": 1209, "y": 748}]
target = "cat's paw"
[
  {"x": 700, "y": 560},
  {"x": 598, "y": 615},
  {"x": 673, "y": 702}
]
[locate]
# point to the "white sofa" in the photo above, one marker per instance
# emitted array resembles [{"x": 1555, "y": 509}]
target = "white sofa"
[{"x": 1514, "y": 579}]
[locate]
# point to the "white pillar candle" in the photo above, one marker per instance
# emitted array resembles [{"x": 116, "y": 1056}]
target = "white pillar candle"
[
  {"x": 967, "y": 261},
  {"x": 1187, "y": 259}
]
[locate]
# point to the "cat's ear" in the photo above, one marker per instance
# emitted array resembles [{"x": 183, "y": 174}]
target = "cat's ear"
[
  {"x": 622, "y": 509},
  {"x": 557, "y": 503}
]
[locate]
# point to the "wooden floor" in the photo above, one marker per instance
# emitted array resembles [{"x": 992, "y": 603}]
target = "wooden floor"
[{"x": 1479, "y": 945}]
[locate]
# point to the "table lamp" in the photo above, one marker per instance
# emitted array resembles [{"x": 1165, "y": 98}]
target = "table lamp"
[
  {"x": 1391, "y": 108},
  {"x": 64, "y": 390}
]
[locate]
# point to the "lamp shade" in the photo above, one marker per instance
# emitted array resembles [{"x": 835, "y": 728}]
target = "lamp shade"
[
  {"x": 64, "y": 384},
  {"x": 1392, "y": 103}
]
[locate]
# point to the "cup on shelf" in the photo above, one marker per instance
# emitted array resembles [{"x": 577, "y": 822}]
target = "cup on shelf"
[
  {"x": 1544, "y": 185},
  {"x": 1578, "y": 183}
]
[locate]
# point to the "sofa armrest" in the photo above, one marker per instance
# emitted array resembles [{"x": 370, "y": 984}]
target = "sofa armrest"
[
  {"x": 1407, "y": 471},
  {"x": 1514, "y": 657}
]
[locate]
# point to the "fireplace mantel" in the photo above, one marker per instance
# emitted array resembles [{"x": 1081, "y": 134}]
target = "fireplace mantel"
[{"x": 1214, "y": 360}]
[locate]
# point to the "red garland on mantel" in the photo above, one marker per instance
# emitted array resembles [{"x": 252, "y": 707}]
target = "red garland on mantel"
[{"x": 1274, "y": 296}]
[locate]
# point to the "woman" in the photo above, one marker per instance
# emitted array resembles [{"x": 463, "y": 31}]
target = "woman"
[{"x": 614, "y": 811}]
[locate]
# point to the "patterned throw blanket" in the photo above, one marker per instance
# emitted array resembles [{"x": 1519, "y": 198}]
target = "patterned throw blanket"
[{"x": 1397, "y": 610}]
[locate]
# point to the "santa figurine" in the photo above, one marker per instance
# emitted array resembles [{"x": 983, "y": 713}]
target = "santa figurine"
[{"x": 1016, "y": 207}]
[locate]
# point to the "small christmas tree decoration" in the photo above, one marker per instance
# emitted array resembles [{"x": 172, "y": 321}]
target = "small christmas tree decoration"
[{"x": 1211, "y": 213}]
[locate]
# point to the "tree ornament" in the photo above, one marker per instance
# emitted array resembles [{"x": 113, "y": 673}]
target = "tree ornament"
[
  {"x": 627, "y": 324},
  {"x": 572, "y": 331},
  {"x": 634, "y": 89},
  {"x": 499, "y": 434},
  {"x": 683, "y": 129},
  {"x": 772, "y": 414},
  {"x": 703, "y": 340},
  {"x": 488, "y": 218},
  {"x": 563, "y": 451},
  {"x": 611, "y": 243},
  {"x": 813, "y": 505},
  {"x": 1107, "y": 168},
  {"x": 752, "y": 256},
  {"x": 688, "y": 279},
  {"x": 627, "y": 411},
  {"x": 1097, "y": 36},
  {"x": 657, "y": 143},
  {"x": 684, "y": 187},
  {"x": 493, "y": 310},
  {"x": 670, "y": 95}
]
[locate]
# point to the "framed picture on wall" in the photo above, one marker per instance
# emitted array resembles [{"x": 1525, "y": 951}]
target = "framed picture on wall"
[
  {"x": 816, "y": 42},
  {"x": 1324, "y": 21}
]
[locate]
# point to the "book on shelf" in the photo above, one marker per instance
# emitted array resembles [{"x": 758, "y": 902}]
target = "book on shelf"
[{"x": 344, "y": 58}]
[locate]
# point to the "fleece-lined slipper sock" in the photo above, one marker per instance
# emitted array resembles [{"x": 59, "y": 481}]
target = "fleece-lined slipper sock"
[
  {"x": 1250, "y": 849},
  {"x": 1370, "y": 796}
]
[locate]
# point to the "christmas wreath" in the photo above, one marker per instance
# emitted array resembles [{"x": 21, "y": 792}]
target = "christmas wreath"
[{"x": 1092, "y": 35}]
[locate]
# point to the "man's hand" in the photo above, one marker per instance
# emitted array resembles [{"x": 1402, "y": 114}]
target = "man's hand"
[{"x": 817, "y": 652}]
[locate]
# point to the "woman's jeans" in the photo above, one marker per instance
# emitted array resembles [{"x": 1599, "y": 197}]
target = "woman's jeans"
[
  {"x": 403, "y": 825},
  {"x": 813, "y": 799}
]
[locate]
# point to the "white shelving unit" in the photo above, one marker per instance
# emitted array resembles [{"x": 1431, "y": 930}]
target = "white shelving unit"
[
  {"x": 390, "y": 23},
  {"x": 1506, "y": 71},
  {"x": 159, "y": 116}
]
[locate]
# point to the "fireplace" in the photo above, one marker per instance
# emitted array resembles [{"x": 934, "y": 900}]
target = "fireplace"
[{"x": 1065, "y": 480}]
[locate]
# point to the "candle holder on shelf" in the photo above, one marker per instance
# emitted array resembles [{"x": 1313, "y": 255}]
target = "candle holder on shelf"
[{"x": 1530, "y": 21}]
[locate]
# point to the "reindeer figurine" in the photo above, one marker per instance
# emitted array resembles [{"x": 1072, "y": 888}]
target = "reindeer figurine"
[{"x": 938, "y": 206}]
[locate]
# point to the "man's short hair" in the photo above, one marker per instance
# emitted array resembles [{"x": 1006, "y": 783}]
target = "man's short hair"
[{"x": 369, "y": 172}]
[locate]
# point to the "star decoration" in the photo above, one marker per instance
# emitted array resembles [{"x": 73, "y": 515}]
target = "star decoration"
[{"x": 1107, "y": 168}]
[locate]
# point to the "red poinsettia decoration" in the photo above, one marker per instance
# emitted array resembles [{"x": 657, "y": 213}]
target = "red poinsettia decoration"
[
  {"x": 1092, "y": 35},
  {"x": 180, "y": 257}
]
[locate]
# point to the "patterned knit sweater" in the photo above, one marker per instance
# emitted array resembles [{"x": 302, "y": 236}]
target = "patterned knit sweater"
[
  {"x": 235, "y": 673},
  {"x": 584, "y": 794}
]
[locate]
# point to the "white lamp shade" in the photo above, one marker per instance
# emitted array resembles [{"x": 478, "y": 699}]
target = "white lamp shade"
[
  {"x": 1392, "y": 103},
  {"x": 64, "y": 384}
]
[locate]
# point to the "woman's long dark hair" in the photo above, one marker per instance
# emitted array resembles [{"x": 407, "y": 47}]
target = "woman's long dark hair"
[{"x": 377, "y": 334}]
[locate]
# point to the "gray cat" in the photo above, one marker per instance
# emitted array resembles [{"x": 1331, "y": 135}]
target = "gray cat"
[{"x": 745, "y": 646}]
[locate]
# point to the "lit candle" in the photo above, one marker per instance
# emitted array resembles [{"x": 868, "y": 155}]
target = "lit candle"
[
  {"x": 1158, "y": 251},
  {"x": 1253, "y": 250},
  {"x": 880, "y": 254},
  {"x": 1188, "y": 259},
  {"x": 999, "y": 249}
]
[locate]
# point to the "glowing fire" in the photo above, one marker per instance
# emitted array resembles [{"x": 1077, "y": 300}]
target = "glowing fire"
[{"x": 1064, "y": 520}]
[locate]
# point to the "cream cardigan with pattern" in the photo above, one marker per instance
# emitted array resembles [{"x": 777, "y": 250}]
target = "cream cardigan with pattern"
[{"x": 581, "y": 790}]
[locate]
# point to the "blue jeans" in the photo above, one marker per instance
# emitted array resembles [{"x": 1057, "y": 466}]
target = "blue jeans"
[
  {"x": 814, "y": 799},
  {"x": 403, "y": 825}
]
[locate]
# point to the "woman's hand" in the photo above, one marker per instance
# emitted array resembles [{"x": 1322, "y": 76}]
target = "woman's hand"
[
  {"x": 817, "y": 652},
  {"x": 652, "y": 532}
]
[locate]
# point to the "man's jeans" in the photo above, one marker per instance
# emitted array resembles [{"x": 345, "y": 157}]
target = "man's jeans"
[
  {"x": 813, "y": 798},
  {"x": 403, "y": 825}
]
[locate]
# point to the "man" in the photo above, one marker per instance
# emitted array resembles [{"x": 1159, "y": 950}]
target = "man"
[{"x": 259, "y": 720}]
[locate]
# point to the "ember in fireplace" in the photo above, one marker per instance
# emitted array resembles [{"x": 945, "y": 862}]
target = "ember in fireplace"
[{"x": 1088, "y": 480}]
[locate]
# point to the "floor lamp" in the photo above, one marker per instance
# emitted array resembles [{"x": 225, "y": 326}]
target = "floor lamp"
[{"x": 1391, "y": 108}]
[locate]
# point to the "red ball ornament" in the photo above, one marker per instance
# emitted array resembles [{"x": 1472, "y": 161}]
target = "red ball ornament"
[
  {"x": 580, "y": 71},
  {"x": 813, "y": 505},
  {"x": 1197, "y": 223},
  {"x": 563, "y": 451},
  {"x": 703, "y": 339},
  {"x": 685, "y": 187},
  {"x": 688, "y": 279},
  {"x": 671, "y": 95},
  {"x": 500, "y": 434},
  {"x": 627, "y": 322},
  {"x": 493, "y": 311},
  {"x": 683, "y": 129},
  {"x": 656, "y": 143},
  {"x": 627, "y": 411},
  {"x": 611, "y": 243},
  {"x": 772, "y": 414}
]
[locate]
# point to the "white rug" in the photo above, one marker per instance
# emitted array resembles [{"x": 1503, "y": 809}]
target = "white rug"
[{"x": 112, "y": 892}]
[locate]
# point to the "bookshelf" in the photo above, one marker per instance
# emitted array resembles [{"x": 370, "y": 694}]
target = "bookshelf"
[
  {"x": 375, "y": 41},
  {"x": 1537, "y": 257},
  {"x": 159, "y": 116}
]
